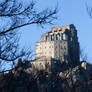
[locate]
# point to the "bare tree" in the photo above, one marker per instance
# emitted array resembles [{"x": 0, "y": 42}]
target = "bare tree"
[
  {"x": 89, "y": 10},
  {"x": 83, "y": 55},
  {"x": 15, "y": 15}
]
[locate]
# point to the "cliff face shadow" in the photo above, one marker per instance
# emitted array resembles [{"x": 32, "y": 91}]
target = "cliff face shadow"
[{"x": 76, "y": 79}]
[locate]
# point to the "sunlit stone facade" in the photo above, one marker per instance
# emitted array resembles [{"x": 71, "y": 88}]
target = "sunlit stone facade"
[{"x": 61, "y": 43}]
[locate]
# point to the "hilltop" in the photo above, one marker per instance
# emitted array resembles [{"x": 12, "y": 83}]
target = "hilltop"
[
  {"x": 22, "y": 79},
  {"x": 56, "y": 67}
]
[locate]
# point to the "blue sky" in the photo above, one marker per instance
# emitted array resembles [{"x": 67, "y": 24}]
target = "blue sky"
[{"x": 70, "y": 12}]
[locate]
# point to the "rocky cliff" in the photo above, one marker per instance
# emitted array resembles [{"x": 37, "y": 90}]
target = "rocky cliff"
[{"x": 71, "y": 79}]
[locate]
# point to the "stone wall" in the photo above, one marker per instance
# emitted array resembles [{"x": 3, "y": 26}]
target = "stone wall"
[
  {"x": 51, "y": 49},
  {"x": 43, "y": 64},
  {"x": 59, "y": 43}
]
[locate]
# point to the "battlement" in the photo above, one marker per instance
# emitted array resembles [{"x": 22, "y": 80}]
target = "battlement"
[
  {"x": 62, "y": 28},
  {"x": 60, "y": 33}
]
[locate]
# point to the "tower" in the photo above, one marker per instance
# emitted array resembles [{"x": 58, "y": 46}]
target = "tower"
[{"x": 61, "y": 43}]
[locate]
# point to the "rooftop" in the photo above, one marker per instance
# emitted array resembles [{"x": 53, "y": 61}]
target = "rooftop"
[{"x": 62, "y": 28}]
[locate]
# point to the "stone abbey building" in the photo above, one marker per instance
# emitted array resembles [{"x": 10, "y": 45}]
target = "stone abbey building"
[{"x": 61, "y": 44}]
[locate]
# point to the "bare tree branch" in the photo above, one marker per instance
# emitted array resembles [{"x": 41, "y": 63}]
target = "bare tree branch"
[
  {"x": 39, "y": 19},
  {"x": 15, "y": 16},
  {"x": 89, "y": 10},
  {"x": 83, "y": 55}
]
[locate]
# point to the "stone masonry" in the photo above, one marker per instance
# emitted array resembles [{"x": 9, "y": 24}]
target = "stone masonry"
[{"x": 61, "y": 43}]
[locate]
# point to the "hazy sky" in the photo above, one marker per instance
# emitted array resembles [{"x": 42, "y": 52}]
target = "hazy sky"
[{"x": 70, "y": 12}]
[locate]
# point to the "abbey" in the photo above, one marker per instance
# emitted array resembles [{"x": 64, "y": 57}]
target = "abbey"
[{"x": 61, "y": 43}]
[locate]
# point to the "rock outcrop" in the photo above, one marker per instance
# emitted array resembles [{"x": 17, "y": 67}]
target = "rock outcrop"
[{"x": 76, "y": 79}]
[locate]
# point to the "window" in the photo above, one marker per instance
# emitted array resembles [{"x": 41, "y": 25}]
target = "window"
[
  {"x": 64, "y": 47},
  {"x": 61, "y": 47},
  {"x": 52, "y": 37},
  {"x": 56, "y": 37},
  {"x": 64, "y": 42},
  {"x": 55, "y": 31},
  {"x": 46, "y": 38},
  {"x": 64, "y": 52}
]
